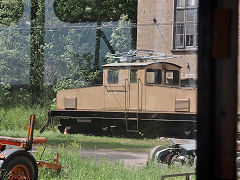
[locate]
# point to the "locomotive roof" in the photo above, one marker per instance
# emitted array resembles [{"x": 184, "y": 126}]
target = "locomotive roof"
[{"x": 131, "y": 64}]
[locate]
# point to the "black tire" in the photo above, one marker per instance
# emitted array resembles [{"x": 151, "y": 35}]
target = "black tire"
[{"x": 19, "y": 167}]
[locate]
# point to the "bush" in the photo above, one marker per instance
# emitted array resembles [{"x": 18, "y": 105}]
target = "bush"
[{"x": 17, "y": 118}]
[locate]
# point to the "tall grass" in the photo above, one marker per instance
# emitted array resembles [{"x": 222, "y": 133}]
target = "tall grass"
[
  {"x": 17, "y": 118},
  {"x": 93, "y": 142},
  {"x": 74, "y": 167}
]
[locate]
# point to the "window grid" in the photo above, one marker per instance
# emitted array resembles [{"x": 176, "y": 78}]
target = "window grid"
[
  {"x": 133, "y": 76},
  {"x": 186, "y": 16}
]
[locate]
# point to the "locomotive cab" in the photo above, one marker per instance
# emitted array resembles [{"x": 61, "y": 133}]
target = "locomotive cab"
[
  {"x": 150, "y": 73},
  {"x": 146, "y": 86}
]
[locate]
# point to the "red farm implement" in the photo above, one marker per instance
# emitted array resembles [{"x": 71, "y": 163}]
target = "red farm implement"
[{"x": 19, "y": 163}]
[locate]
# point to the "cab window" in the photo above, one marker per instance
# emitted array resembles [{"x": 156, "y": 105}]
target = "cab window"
[
  {"x": 133, "y": 76},
  {"x": 172, "y": 77},
  {"x": 154, "y": 76},
  {"x": 112, "y": 76}
]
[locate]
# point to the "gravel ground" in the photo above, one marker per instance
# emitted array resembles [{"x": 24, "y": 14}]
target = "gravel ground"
[{"x": 137, "y": 159}]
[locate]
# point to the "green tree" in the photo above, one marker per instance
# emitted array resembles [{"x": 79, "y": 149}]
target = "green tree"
[
  {"x": 37, "y": 49},
  {"x": 10, "y": 12},
  {"x": 14, "y": 54},
  {"x": 68, "y": 53},
  {"x": 97, "y": 11},
  {"x": 120, "y": 37}
]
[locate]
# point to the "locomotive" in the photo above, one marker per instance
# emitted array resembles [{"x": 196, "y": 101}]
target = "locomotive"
[{"x": 140, "y": 94}]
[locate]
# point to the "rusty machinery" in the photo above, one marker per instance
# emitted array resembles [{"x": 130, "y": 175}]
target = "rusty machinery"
[
  {"x": 183, "y": 151},
  {"x": 19, "y": 163}
]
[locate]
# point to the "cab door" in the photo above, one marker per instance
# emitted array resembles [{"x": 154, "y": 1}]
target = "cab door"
[{"x": 134, "y": 91}]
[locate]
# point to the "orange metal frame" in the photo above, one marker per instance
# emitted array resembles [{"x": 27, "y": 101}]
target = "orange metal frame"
[
  {"x": 55, "y": 165},
  {"x": 27, "y": 143},
  {"x": 23, "y": 142}
]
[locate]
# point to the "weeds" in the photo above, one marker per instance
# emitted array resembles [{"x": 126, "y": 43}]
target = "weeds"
[
  {"x": 17, "y": 118},
  {"x": 74, "y": 167},
  {"x": 93, "y": 142}
]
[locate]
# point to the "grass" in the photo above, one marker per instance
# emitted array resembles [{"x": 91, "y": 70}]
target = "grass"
[
  {"x": 78, "y": 168},
  {"x": 17, "y": 118},
  {"x": 74, "y": 167},
  {"x": 13, "y": 123},
  {"x": 93, "y": 142}
]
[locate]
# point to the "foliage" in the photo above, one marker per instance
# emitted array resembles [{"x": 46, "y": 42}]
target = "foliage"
[
  {"x": 14, "y": 57},
  {"x": 36, "y": 62},
  {"x": 74, "y": 69},
  {"x": 4, "y": 94},
  {"x": 36, "y": 67},
  {"x": 94, "y": 10},
  {"x": 120, "y": 38},
  {"x": 17, "y": 118},
  {"x": 11, "y": 12}
]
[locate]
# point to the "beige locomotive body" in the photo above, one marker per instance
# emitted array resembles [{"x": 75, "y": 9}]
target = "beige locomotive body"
[{"x": 151, "y": 86}]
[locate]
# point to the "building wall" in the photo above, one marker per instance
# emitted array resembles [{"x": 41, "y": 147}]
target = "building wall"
[{"x": 159, "y": 37}]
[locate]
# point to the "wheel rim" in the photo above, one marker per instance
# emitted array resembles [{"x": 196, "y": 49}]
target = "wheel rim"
[{"x": 19, "y": 172}]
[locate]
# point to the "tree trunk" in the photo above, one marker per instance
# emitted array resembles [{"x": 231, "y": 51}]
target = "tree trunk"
[{"x": 37, "y": 49}]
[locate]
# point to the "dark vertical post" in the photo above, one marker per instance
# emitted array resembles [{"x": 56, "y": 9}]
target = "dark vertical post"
[
  {"x": 37, "y": 49},
  {"x": 134, "y": 37},
  {"x": 97, "y": 46},
  {"x": 217, "y": 89}
]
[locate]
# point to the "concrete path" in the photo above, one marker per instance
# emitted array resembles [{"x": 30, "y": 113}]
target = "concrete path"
[{"x": 137, "y": 159}]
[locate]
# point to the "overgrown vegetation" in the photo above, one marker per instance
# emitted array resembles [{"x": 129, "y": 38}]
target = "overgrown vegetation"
[
  {"x": 16, "y": 118},
  {"x": 75, "y": 167},
  {"x": 93, "y": 142},
  {"x": 37, "y": 60}
]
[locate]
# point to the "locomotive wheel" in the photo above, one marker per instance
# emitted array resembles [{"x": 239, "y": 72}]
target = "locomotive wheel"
[
  {"x": 152, "y": 153},
  {"x": 19, "y": 167}
]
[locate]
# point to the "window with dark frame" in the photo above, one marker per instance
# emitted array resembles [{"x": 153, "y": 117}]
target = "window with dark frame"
[
  {"x": 185, "y": 26},
  {"x": 112, "y": 76},
  {"x": 133, "y": 76},
  {"x": 154, "y": 76},
  {"x": 171, "y": 77}
]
